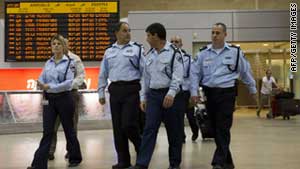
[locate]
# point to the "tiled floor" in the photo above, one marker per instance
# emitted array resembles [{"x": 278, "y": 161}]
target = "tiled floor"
[{"x": 257, "y": 143}]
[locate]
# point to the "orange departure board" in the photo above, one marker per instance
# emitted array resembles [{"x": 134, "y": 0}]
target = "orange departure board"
[{"x": 29, "y": 26}]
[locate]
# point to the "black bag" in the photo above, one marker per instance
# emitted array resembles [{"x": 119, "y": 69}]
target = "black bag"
[
  {"x": 82, "y": 86},
  {"x": 285, "y": 95},
  {"x": 203, "y": 122}
]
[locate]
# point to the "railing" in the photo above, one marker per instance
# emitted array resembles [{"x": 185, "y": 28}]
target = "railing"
[{"x": 26, "y": 107}]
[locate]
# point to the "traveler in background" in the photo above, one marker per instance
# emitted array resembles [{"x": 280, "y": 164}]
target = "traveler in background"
[{"x": 268, "y": 83}]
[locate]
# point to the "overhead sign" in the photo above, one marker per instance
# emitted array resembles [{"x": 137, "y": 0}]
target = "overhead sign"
[{"x": 29, "y": 27}]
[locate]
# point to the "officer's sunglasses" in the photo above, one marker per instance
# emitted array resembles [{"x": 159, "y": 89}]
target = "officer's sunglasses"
[{"x": 174, "y": 41}]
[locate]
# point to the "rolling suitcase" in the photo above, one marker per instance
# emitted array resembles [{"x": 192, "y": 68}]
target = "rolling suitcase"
[{"x": 284, "y": 104}]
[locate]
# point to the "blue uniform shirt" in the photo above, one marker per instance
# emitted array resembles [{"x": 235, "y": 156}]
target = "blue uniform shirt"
[
  {"x": 187, "y": 60},
  {"x": 157, "y": 71},
  {"x": 53, "y": 75},
  {"x": 120, "y": 64},
  {"x": 211, "y": 69}
]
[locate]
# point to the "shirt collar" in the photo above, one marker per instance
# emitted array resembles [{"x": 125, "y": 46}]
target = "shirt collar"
[
  {"x": 226, "y": 46},
  {"x": 166, "y": 47},
  {"x": 115, "y": 45},
  {"x": 63, "y": 58}
]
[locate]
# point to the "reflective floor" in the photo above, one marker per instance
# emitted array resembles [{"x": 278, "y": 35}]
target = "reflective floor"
[{"x": 257, "y": 143}]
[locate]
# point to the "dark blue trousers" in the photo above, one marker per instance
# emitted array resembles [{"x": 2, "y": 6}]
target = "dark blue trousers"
[
  {"x": 220, "y": 107},
  {"x": 124, "y": 105},
  {"x": 173, "y": 120},
  {"x": 62, "y": 106}
]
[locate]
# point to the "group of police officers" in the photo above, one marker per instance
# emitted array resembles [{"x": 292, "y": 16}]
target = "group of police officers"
[{"x": 162, "y": 83}]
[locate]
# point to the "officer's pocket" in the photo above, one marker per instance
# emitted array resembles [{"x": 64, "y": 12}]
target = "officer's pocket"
[
  {"x": 229, "y": 65},
  {"x": 207, "y": 66},
  {"x": 131, "y": 57},
  {"x": 61, "y": 75},
  {"x": 207, "y": 69},
  {"x": 112, "y": 61},
  {"x": 163, "y": 63},
  {"x": 165, "y": 68}
]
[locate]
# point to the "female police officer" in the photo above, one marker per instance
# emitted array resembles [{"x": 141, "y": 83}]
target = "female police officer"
[{"x": 56, "y": 82}]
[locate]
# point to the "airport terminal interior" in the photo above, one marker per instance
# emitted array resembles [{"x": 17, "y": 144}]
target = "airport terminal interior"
[
  {"x": 257, "y": 143},
  {"x": 262, "y": 142}
]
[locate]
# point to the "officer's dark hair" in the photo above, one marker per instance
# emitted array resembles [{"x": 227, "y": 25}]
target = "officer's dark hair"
[
  {"x": 222, "y": 25},
  {"x": 118, "y": 25},
  {"x": 157, "y": 28}
]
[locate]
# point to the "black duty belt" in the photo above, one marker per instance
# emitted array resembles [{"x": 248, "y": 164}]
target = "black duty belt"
[
  {"x": 165, "y": 90},
  {"x": 132, "y": 82},
  {"x": 55, "y": 95},
  {"x": 218, "y": 89}
]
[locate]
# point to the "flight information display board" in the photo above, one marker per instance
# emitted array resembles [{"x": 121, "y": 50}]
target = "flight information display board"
[{"x": 29, "y": 26}]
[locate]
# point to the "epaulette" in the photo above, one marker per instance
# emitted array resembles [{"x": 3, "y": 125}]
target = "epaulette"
[
  {"x": 174, "y": 48},
  {"x": 234, "y": 46},
  {"x": 183, "y": 51},
  {"x": 203, "y": 48},
  {"x": 108, "y": 47},
  {"x": 137, "y": 44},
  {"x": 149, "y": 51}
]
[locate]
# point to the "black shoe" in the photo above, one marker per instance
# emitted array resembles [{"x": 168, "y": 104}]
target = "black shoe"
[
  {"x": 73, "y": 164},
  {"x": 194, "y": 137},
  {"x": 51, "y": 157},
  {"x": 121, "y": 166},
  {"x": 67, "y": 155},
  {"x": 218, "y": 167},
  {"x": 173, "y": 167},
  {"x": 228, "y": 166}
]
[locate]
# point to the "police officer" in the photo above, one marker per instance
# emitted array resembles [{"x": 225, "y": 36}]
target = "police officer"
[
  {"x": 122, "y": 65},
  {"x": 162, "y": 77},
  {"x": 187, "y": 61},
  {"x": 76, "y": 84},
  {"x": 217, "y": 68},
  {"x": 56, "y": 81}
]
